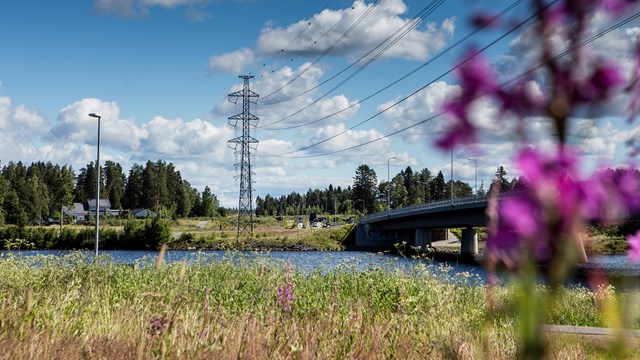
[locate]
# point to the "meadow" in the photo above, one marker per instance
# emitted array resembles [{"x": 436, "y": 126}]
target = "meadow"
[{"x": 238, "y": 308}]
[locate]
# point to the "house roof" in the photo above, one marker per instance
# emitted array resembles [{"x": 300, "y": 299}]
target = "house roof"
[
  {"x": 75, "y": 209},
  {"x": 143, "y": 213},
  {"x": 104, "y": 204}
]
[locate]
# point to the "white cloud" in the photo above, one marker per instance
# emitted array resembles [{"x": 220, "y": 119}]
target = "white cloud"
[
  {"x": 382, "y": 21},
  {"x": 75, "y": 125},
  {"x": 178, "y": 139},
  {"x": 422, "y": 105},
  {"x": 343, "y": 138},
  {"x": 233, "y": 62},
  {"x": 134, "y": 8},
  {"x": 287, "y": 101}
]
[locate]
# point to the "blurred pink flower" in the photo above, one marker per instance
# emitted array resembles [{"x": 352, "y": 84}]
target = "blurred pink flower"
[{"x": 634, "y": 247}]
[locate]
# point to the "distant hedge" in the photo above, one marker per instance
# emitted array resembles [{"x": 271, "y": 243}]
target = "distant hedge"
[{"x": 136, "y": 235}]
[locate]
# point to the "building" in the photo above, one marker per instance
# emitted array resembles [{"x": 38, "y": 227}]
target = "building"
[{"x": 80, "y": 211}]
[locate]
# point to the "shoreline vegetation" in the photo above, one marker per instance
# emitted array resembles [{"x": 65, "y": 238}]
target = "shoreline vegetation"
[
  {"x": 71, "y": 308},
  {"x": 269, "y": 234}
]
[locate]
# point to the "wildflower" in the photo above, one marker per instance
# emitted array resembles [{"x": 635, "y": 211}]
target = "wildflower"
[
  {"x": 634, "y": 247},
  {"x": 157, "y": 324},
  {"x": 605, "y": 78},
  {"x": 476, "y": 79},
  {"x": 285, "y": 293},
  {"x": 286, "y": 297}
]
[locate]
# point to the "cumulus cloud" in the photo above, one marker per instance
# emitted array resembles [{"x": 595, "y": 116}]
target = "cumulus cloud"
[
  {"x": 232, "y": 62},
  {"x": 74, "y": 125},
  {"x": 135, "y": 8},
  {"x": 287, "y": 101},
  {"x": 179, "y": 139},
  {"x": 423, "y": 105},
  {"x": 341, "y": 138},
  {"x": 329, "y": 26}
]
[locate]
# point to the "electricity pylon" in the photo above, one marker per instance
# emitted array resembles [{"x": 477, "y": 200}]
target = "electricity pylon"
[{"x": 246, "y": 144}]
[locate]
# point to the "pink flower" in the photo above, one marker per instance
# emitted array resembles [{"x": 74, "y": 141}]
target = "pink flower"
[
  {"x": 634, "y": 247},
  {"x": 477, "y": 79},
  {"x": 605, "y": 78},
  {"x": 462, "y": 131}
]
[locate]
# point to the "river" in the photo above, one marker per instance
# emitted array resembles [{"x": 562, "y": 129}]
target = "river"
[{"x": 309, "y": 261}]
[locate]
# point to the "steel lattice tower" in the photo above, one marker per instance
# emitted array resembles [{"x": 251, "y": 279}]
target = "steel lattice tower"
[{"x": 247, "y": 143}]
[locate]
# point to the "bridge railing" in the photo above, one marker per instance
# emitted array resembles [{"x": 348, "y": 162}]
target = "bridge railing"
[{"x": 444, "y": 204}]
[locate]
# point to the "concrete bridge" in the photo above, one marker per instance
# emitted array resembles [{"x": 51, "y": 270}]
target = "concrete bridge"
[{"x": 417, "y": 224}]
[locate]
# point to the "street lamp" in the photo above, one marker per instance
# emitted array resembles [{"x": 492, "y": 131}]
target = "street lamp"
[
  {"x": 475, "y": 163},
  {"x": 97, "y": 184},
  {"x": 389, "y": 185}
]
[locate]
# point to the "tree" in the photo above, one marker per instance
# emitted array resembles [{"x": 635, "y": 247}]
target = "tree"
[
  {"x": 424, "y": 178},
  {"x": 186, "y": 199},
  {"x": 114, "y": 183},
  {"x": 399, "y": 192},
  {"x": 4, "y": 188},
  {"x": 14, "y": 212},
  {"x": 461, "y": 189},
  {"x": 438, "y": 188},
  {"x": 86, "y": 183},
  {"x": 208, "y": 203},
  {"x": 134, "y": 188},
  {"x": 501, "y": 174},
  {"x": 364, "y": 187}
]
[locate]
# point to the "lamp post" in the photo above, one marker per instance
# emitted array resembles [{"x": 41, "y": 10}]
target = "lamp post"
[
  {"x": 389, "y": 186},
  {"x": 475, "y": 164},
  {"x": 97, "y": 185}
]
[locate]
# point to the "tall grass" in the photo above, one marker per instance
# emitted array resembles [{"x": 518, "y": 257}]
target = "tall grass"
[{"x": 72, "y": 308}]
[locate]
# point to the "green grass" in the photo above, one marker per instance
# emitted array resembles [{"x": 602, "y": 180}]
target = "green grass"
[{"x": 70, "y": 308}]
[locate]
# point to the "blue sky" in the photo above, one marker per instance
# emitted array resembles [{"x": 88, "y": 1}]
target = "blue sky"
[{"x": 159, "y": 72}]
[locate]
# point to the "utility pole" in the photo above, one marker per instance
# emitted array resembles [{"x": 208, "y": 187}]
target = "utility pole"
[{"x": 247, "y": 143}]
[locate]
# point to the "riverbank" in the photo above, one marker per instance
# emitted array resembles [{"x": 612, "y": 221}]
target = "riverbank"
[{"x": 219, "y": 234}]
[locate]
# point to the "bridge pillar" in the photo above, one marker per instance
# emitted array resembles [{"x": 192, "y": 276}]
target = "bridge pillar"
[
  {"x": 423, "y": 238},
  {"x": 469, "y": 243}
]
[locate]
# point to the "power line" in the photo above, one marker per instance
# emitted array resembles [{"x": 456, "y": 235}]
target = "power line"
[
  {"x": 306, "y": 50},
  {"x": 495, "y": 41},
  {"x": 436, "y": 57},
  {"x": 391, "y": 40},
  {"x": 520, "y": 76},
  {"x": 282, "y": 51},
  {"x": 328, "y": 50}
]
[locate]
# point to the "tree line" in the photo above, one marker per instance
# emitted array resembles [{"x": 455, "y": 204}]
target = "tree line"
[
  {"x": 367, "y": 195},
  {"x": 32, "y": 194}
]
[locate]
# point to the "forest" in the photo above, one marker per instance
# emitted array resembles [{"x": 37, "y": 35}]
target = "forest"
[
  {"x": 31, "y": 195},
  {"x": 368, "y": 194},
  {"x": 37, "y": 193}
]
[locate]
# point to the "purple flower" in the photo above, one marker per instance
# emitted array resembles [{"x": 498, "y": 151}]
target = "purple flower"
[
  {"x": 634, "y": 247},
  {"x": 462, "y": 131},
  {"x": 543, "y": 211},
  {"x": 614, "y": 6},
  {"x": 477, "y": 79},
  {"x": 606, "y": 77},
  {"x": 286, "y": 297},
  {"x": 157, "y": 324}
]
